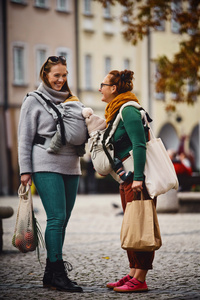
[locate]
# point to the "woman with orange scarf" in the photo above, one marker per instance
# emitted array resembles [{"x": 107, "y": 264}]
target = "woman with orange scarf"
[{"x": 130, "y": 135}]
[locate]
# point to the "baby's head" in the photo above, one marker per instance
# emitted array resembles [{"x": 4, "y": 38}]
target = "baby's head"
[{"x": 87, "y": 112}]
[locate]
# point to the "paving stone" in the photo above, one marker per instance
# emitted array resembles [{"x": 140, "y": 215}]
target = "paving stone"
[{"x": 92, "y": 246}]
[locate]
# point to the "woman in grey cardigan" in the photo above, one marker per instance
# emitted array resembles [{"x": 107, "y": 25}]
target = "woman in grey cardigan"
[{"x": 55, "y": 176}]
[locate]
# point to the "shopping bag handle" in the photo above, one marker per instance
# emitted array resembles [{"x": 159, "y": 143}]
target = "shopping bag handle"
[{"x": 23, "y": 191}]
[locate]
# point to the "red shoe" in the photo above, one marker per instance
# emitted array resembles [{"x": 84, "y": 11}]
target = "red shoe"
[
  {"x": 132, "y": 285},
  {"x": 121, "y": 282}
]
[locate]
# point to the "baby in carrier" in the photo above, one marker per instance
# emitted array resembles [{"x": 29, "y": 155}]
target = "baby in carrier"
[{"x": 76, "y": 117}]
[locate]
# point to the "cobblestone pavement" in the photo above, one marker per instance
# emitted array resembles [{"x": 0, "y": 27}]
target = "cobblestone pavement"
[{"x": 92, "y": 245}]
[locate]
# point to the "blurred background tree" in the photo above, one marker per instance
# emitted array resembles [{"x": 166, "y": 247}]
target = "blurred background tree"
[{"x": 175, "y": 75}]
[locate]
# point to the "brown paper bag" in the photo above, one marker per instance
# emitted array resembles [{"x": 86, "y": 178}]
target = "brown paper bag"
[{"x": 140, "y": 228}]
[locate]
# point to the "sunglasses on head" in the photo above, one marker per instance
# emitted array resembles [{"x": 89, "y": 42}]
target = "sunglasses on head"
[{"x": 56, "y": 59}]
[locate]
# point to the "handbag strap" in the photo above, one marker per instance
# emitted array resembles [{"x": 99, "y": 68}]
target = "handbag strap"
[{"x": 152, "y": 135}]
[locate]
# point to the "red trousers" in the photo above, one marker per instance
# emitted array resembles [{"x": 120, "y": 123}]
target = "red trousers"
[{"x": 137, "y": 260}]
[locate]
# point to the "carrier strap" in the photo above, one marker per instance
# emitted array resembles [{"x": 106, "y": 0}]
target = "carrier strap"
[{"x": 59, "y": 115}]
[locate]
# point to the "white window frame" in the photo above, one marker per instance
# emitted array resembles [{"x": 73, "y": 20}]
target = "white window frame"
[
  {"x": 192, "y": 87},
  {"x": 63, "y": 51},
  {"x": 67, "y": 7},
  {"x": 175, "y": 6},
  {"x": 125, "y": 17},
  {"x": 157, "y": 14},
  {"x": 45, "y": 5},
  {"x": 190, "y": 31},
  {"x": 18, "y": 79},
  {"x": 107, "y": 11},
  {"x": 88, "y": 71},
  {"x": 38, "y": 62},
  {"x": 87, "y": 7}
]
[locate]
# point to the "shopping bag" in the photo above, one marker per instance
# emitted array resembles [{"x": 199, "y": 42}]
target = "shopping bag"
[
  {"x": 140, "y": 228},
  {"x": 26, "y": 231},
  {"x": 160, "y": 175}
]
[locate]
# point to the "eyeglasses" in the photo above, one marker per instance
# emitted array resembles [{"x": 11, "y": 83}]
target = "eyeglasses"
[
  {"x": 56, "y": 59},
  {"x": 102, "y": 84}
]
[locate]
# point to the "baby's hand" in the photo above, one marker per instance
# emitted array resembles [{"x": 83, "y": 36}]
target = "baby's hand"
[{"x": 87, "y": 112}]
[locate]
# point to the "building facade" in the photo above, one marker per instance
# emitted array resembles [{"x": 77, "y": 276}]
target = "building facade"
[
  {"x": 32, "y": 30},
  {"x": 90, "y": 37}
]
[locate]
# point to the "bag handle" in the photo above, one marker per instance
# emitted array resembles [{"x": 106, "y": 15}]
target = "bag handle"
[
  {"x": 23, "y": 191},
  {"x": 152, "y": 135}
]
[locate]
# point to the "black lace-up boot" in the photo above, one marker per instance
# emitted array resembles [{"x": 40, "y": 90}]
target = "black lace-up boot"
[
  {"x": 48, "y": 274},
  {"x": 60, "y": 280}
]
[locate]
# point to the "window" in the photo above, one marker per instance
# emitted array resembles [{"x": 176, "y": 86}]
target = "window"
[
  {"x": 64, "y": 5},
  {"x": 88, "y": 25},
  {"x": 107, "y": 11},
  {"x": 192, "y": 89},
  {"x": 191, "y": 31},
  {"x": 41, "y": 3},
  {"x": 127, "y": 64},
  {"x": 19, "y": 64},
  {"x": 125, "y": 17},
  {"x": 87, "y": 7},
  {"x": 88, "y": 72},
  {"x": 107, "y": 65},
  {"x": 41, "y": 56},
  {"x": 19, "y": 1},
  {"x": 108, "y": 28},
  {"x": 174, "y": 96},
  {"x": 158, "y": 14},
  {"x": 176, "y": 9},
  {"x": 67, "y": 53}
]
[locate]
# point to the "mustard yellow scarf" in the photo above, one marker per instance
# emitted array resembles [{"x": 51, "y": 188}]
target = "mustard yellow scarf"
[
  {"x": 116, "y": 103},
  {"x": 71, "y": 98}
]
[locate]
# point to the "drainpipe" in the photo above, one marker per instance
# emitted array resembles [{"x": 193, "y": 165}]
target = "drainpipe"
[
  {"x": 77, "y": 47},
  {"x": 199, "y": 148},
  {"x": 149, "y": 72},
  {"x": 4, "y": 17},
  {"x": 8, "y": 162}
]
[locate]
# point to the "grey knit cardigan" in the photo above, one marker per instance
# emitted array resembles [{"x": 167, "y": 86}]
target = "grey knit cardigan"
[{"x": 34, "y": 118}]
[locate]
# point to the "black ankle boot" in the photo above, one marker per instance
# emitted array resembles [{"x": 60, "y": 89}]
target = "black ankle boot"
[
  {"x": 60, "y": 280},
  {"x": 48, "y": 274}
]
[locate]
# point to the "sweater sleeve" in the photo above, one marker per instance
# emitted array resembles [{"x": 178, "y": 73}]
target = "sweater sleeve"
[
  {"x": 27, "y": 129},
  {"x": 135, "y": 130}
]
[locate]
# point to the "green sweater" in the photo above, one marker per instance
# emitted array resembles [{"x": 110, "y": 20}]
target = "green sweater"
[{"x": 136, "y": 141}]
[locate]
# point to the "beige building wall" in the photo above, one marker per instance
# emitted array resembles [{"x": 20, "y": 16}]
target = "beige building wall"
[
  {"x": 34, "y": 28},
  {"x": 100, "y": 37},
  {"x": 167, "y": 43}
]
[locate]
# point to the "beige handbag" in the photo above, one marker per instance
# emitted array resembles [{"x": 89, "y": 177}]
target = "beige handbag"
[{"x": 140, "y": 228}]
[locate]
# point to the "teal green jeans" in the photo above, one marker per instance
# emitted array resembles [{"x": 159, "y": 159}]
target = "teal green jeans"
[{"x": 58, "y": 193}]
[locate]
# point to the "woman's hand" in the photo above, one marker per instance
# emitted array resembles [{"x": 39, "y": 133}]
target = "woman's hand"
[
  {"x": 26, "y": 178},
  {"x": 137, "y": 186}
]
